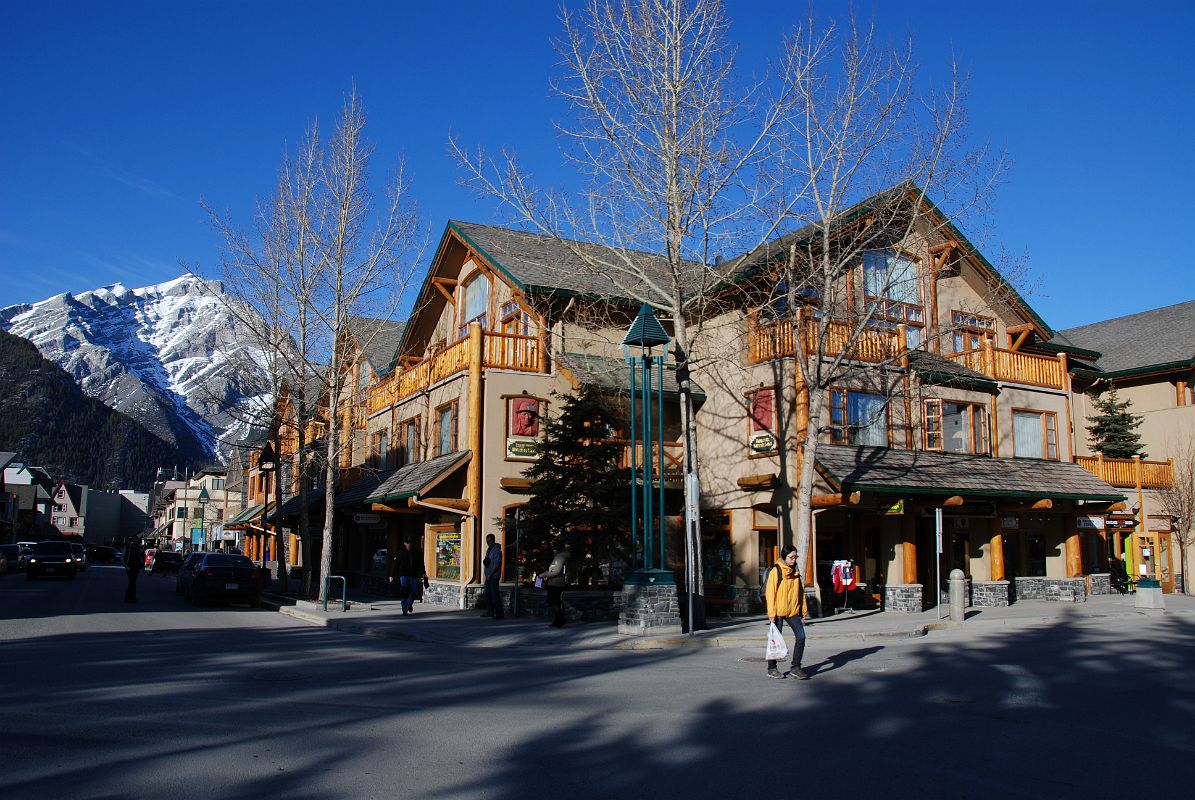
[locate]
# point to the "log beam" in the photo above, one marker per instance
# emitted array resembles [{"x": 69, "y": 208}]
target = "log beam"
[
  {"x": 1042, "y": 505},
  {"x": 954, "y": 502},
  {"x": 456, "y": 503},
  {"x": 755, "y": 483},
  {"x": 832, "y": 500},
  {"x": 445, "y": 286},
  {"x": 382, "y": 508}
]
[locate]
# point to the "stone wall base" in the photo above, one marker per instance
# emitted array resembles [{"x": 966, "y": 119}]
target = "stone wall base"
[
  {"x": 1099, "y": 584},
  {"x": 989, "y": 594},
  {"x": 906, "y": 598},
  {"x": 1067, "y": 590},
  {"x": 651, "y": 610}
]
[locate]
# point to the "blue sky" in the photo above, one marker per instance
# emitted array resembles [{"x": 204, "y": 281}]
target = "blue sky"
[{"x": 116, "y": 117}]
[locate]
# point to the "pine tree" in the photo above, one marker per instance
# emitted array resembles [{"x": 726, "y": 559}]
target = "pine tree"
[
  {"x": 580, "y": 494},
  {"x": 1113, "y": 432}
]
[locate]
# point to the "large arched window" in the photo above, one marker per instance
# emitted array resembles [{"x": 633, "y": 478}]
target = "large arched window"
[{"x": 475, "y": 300}]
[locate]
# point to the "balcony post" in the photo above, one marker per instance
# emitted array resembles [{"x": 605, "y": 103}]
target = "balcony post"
[
  {"x": 989, "y": 359},
  {"x": 1137, "y": 468},
  {"x": 1066, "y": 387}
]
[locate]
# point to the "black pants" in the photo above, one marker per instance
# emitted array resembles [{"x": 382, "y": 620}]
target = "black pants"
[
  {"x": 493, "y": 598},
  {"x": 556, "y": 603},
  {"x": 130, "y": 594},
  {"x": 798, "y": 651}
]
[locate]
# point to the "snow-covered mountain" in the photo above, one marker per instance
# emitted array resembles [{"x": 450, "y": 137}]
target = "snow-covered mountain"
[{"x": 170, "y": 356}]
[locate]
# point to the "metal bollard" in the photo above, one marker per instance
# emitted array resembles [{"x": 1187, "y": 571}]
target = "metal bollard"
[{"x": 958, "y": 596}]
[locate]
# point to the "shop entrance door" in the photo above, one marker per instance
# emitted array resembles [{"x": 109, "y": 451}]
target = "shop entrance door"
[
  {"x": 1152, "y": 557},
  {"x": 769, "y": 552}
]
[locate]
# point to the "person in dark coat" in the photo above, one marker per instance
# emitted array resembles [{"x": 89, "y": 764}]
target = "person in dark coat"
[
  {"x": 493, "y": 575},
  {"x": 408, "y": 572},
  {"x": 134, "y": 562}
]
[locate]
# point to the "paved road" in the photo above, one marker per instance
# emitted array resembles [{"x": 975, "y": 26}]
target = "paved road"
[{"x": 106, "y": 700}]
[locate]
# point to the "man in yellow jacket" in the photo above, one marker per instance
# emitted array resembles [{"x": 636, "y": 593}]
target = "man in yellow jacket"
[{"x": 785, "y": 593}]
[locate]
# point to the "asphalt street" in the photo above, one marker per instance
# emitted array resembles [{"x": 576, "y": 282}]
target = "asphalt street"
[{"x": 162, "y": 700}]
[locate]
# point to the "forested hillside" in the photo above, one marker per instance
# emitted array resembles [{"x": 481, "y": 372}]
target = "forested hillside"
[{"x": 47, "y": 420}]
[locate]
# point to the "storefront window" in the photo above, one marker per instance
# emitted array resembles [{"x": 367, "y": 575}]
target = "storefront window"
[{"x": 717, "y": 555}]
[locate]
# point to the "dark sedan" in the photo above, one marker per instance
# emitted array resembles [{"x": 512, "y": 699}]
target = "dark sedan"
[
  {"x": 226, "y": 577},
  {"x": 165, "y": 561},
  {"x": 186, "y": 574},
  {"x": 50, "y": 559},
  {"x": 12, "y": 554}
]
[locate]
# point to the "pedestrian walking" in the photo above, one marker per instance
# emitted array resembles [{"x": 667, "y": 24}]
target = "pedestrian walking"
[
  {"x": 134, "y": 562},
  {"x": 785, "y": 593},
  {"x": 555, "y": 579},
  {"x": 493, "y": 574},
  {"x": 408, "y": 571}
]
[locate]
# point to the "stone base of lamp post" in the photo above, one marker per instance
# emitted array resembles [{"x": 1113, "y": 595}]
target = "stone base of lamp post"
[{"x": 650, "y": 605}]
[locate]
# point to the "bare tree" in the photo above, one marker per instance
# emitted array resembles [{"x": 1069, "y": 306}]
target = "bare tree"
[
  {"x": 860, "y": 150},
  {"x": 670, "y": 144},
  {"x": 1179, "y": 501},
  {"x": 321, "y": 253}
]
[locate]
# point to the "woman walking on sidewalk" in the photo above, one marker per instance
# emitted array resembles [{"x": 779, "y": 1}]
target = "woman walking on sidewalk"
[{"x": 785, "y": 593}]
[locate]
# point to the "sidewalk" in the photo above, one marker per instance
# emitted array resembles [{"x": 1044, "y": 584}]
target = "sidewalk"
[{"x": 382, "y": 617}]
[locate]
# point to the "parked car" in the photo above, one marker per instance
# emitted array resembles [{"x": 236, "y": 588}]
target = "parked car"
[
  {"x": 100, "y": 554},
  {"x": 12, "y": 554},
  {"x": 50, "y": 558},
  {"x": 227, "y": 577},
  {"x": 166, "y": 561},
  {"x": 186, "y": 573},
  {"x": 80, "y": 556}
]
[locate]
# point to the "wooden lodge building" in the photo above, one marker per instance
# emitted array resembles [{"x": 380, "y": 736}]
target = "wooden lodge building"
[{"x": 980, "y": 415}]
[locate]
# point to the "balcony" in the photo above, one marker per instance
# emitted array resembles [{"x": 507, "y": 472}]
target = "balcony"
[
  {"x": 1129, "y": 473},
  {"x": 499, "y": 351},
  {"x": 1011, "y": 366},
  {"x": 771, "y": 340},
  {"x": 674, "y": 458}
]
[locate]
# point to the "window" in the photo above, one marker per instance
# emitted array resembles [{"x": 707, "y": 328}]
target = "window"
[
  {"x": 515, "y": 320},
  {"x": 761, "y": 421},
  {"x": 180, "y": 512},
  {"x": 956, "y": 427},
  {"x": 217, "y": 484},
  {"x": 380, "y": 449},
  {"x": 970, "y": 330},
  {"x": 1035, "y": 434},
  {"x": 858, "y": 418},
  {"x": 408, "y": 436},
  {"x": 59, "y": 507},
  {"x": 893, "y": 292},
  {"x": 446, "y": 437},
  {"x": 475, "y": 301}
]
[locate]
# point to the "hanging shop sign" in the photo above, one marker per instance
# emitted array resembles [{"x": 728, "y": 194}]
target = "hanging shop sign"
[
  {"x": 893, "y": 509},
  {"x": 1121, "y": 523},
  {"x": 522, "y": 448},
  {"x": 367, "y": 519},
  {"x": 1087, "y": 523},
  {"x": 1010, "y": 523},
  {"x": 762, "y": 442}
]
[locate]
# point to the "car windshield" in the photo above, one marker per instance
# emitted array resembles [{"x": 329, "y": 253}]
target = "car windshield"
[
  {"x": 226, "y": 560},
  {"x": 52, "y": 549}
]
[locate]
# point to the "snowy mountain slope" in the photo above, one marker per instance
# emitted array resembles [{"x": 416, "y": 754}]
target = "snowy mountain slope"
[{"x": 170, "y": 356}]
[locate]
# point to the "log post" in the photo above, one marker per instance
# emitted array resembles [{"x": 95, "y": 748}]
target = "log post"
[
  {"x": 473, "y": 474},
  {"x": 996, "y": 551},
  {"x": 908, "y": 545}
]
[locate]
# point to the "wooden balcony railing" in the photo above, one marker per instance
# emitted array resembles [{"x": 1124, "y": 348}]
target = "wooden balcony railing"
[
  {"x": 767, "y": 341},
  {"x": 499, "y": 351},
  {"x": 1013, "y": 366},
  {"x": 674, "y": 458},
  {"x": 1129, "y": 473}
]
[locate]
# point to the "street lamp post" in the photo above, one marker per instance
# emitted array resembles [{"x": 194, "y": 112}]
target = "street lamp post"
[
  {"x": 204, "y": 499},
  {"x": 267, "y": 463}
]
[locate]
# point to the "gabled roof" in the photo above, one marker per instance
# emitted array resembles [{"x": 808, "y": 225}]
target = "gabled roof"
[
  {"x": 401, "y": 483},
  {"x": 934, "y": 369},
  {"x": 378, "y": 339},
  {"x": 545, "y": 264},
  {"x": 5, "y": 459},
  {"x": 885, "y": 470},
  {"x": 613, "y": 375},
  {"x": 1163, "y": 338}
]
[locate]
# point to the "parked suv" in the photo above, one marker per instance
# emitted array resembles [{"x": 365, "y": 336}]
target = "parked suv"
[
  {"x": 50, "y": 558},
  {"x": 165, "y": 561}
]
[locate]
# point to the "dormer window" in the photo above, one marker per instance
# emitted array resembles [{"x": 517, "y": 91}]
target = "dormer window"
[
  {"x": 475, "y": 301},
  {"x": 893, "y": 290}
]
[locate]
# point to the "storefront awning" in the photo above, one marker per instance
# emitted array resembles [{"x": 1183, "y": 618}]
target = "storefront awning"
[
  {"x": 888, "y": 471},
  {"x": 409, "y": 481},
  {"x": 246, "y": 517}
]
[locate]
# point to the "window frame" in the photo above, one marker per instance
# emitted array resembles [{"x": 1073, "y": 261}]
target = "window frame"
[
  {"x": 463, "y": 323},
  {"x": 755, "y": 426},
  {"x": 840, "y": 432},
  {"x": 453, "y": 406},
  {"x": 886, "y": 311},
  {"x": 966, "y": 323},
  {"x": 1049, "y": 424},
  {"x": 981, "y": 438},
  {"x": 409, "y": 454}
]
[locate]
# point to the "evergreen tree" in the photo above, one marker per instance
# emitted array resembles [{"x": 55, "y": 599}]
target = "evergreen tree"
[
  {"x": 1113, "y": 432},
  {"x": 580, "y": 494}
]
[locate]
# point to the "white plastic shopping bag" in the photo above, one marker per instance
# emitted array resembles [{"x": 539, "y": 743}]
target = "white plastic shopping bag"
[
  {"x": 777, "y": 649},
  {"x": 539, "y": 582}
]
